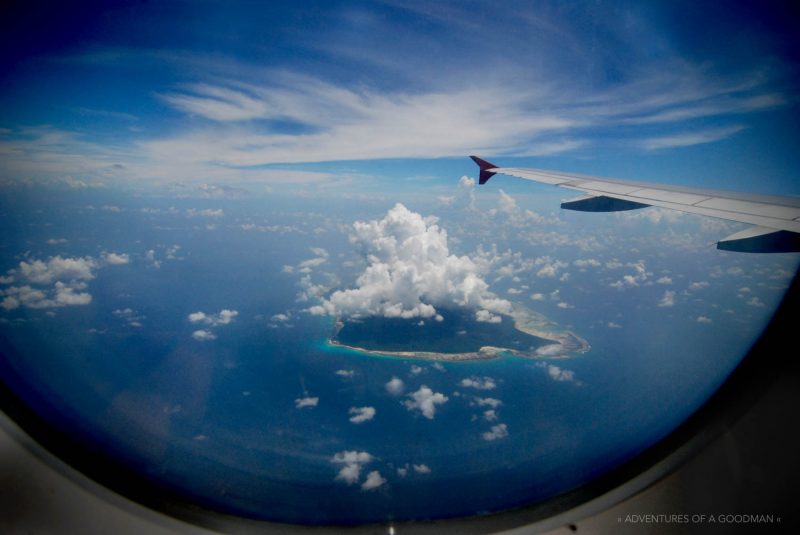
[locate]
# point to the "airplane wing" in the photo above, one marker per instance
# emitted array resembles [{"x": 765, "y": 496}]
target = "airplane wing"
[{"x": 776, "y": 220}]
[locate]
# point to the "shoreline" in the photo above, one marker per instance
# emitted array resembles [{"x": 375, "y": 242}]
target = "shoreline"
[{"x": 564, "y": 343}]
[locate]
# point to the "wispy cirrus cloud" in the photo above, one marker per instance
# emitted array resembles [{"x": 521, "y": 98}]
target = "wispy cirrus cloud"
[{"x": 689, "y": 138}]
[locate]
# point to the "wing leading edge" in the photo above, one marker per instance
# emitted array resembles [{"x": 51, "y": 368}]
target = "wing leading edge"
[{"x": 776, "y": 220}]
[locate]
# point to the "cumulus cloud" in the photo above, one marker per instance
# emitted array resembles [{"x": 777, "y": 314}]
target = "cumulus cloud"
[
  {"x": 410, "y": 272},
  {"x": 556, "y": 373},
  {"x": 639, "y": 275},
  {"x": 425, "y": 401},
  {"x": 664, "y": 280},
  {"x": 129, "y": 315},
  {"x": 703, "y": 319},
  {"x": 395, "y": 386},
  {"x": 373, "y": 481},
  {"x": 58, "y": 268},
  {"x": 68, "y": 295},
  {"x": 224, "y": 317},
  {"x": 507, "y": 203},
  {"x": 115, "y": 259},
  {"x": 306, "y": 266},
  {"x": 496, "y": 432},
  {"x": 207, "y": 212},
  {"x": 484, "y": 316},
  {"x": 67, "y": 278},
  {"x": 203, "y": 335},
  {"x": 464, "y": 196},
  {"x": 488, "y": 402},
  {"x": 361, "y": 414},
  {"x": 345, "y": 373},
  {"x": 302, "y": 403},
  {"x": 586, "y": 262},
  {"x": 698, "y": 285},
  {"x": 16, "y": 296},
  {"x": 668, "y": 299},
  {"x": 755, "y": 302},
  {"x": 479, "y": 383},
  {"x": 422, "y": 469},
  {"x": 352, "y": 461}
]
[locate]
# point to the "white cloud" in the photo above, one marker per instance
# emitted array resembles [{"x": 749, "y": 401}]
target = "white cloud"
[
  {"x": 10, "y": 303},
  {"x": 755, "y": 302},
  {"x": 686, "y": 139},
  {"x": 639, "y": 275},
  {"x": 668, "y": 299},
  {"x": 115, "y": 259},
  {"x": 664, "y": 280},
  {"x": 130, "y": 316},
  {"x": 58, "y": 268},
  {"x": 416, "y": 370},
  {"x": 350, "y": 124},
  {"x": 422, "y": 469},
  {"x": 410, "y": 272},
  {"x": 302, "y": 403},
  {"x": 281, "y": 318},
  {"x": 612, "y": 325},
  {"x": 66, "y": 295},
  {"x": 484, "y": 316},
  {"x": 496, "y": 432},
  {"x": 395, "y": 386},
  {"x": 203, "y": 335},
  {"x": 698, "y": 285},
  {"x": 425, "y": 401},
  {"x": 479, "y": 383},
  {"x": 507, "y": 203},
  {"x": 361, "y": 414},
  {"x": 206, "y": 212},
  {"x": 373, "y": 481},
  {"x": 538, "y": 297},
  {"x": 703, "y": 319},
  {"x": 224, "y": 317},
  {"x": 62, "y": 294},
  {"x": 352, "y": 461},
  {"x": 490, "y": 415},
  {"x": 586, "y": 262},
  {"x": 217, "y": 103},
  {"x": 464, "y": 196},
  {"x": 488, "y": 402},
  {"x": 345, "y": 373},
  {"x": 556, "y": 373}
]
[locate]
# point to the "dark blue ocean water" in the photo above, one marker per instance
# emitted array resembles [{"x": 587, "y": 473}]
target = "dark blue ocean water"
[{"x": 219, "y": 421}]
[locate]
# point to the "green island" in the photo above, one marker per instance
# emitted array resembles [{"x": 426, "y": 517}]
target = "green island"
[{"x": 458, "y": 336}]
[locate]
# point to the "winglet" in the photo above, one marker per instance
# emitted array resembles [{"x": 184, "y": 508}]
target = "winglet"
[{"x": 484, "y": 165}]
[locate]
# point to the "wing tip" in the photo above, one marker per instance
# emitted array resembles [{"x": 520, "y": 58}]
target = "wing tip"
[{"x": 484, "y": 165}]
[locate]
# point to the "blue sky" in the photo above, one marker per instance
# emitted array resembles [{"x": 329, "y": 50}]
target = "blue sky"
[{"x": 244, "y": 92}]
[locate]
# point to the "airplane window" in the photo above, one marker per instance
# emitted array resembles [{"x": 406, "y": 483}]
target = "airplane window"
[{"x": 247, "y": 264}]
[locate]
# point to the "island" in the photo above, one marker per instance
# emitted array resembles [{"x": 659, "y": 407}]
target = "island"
[{"x": 458, "y": 336}]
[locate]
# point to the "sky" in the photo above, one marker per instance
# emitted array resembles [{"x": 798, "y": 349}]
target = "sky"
[{"x": 347, "y": 93}]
